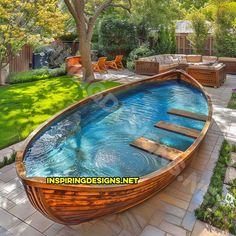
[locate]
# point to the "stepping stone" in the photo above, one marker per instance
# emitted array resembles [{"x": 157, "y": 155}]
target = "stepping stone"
[
  {"x": 232, "y": 159},
  {"x": 230, "y": 175},
  {"x": 228, "y": 198}
]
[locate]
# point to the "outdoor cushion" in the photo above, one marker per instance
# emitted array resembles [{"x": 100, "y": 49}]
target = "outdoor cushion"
[
  {"x": 209, "y": 58},
  {"x": 233, "y": 59},
  {"x": 181, "y": 58},
  {"x": 194, "y": 58}
]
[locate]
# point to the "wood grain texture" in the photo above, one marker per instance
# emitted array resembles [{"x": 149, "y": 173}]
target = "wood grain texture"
[
  {"x": 74, "y": 204},
  {"x": 213, "y": 77},
  {"x": 187, "y": 114},
  {"x": 192, "y": 133},
  {"x": 230, "y": 64},
  {"x": 156, "y": 148}
]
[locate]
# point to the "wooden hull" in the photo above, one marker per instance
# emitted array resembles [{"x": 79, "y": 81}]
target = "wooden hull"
[{"x": 74, "y": 204}]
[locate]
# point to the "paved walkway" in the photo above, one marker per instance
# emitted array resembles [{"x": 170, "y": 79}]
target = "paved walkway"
[{"x": 170, "y": 212}]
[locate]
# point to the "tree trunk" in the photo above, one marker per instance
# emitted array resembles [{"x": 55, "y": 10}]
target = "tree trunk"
[
  {"x": 85, "y": 52},
  {"x": 4, "y": 72}
]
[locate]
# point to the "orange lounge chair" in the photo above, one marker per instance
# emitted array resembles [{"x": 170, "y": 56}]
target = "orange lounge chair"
[
  {"x": 100, "y": 65},
  {"x": 115, "y": 64},
  {"x": 73, "y": 65}
]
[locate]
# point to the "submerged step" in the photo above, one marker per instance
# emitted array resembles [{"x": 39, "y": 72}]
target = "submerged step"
[
  {"x": 192, "y": 133},
  {"x": 187, "y": 114},
  {"x": 156, "y": 148}
]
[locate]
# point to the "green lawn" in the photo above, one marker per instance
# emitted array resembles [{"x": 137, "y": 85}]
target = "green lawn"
[
  {"x": 232, "y": 102},
  {"x": 25, "y": 106}
]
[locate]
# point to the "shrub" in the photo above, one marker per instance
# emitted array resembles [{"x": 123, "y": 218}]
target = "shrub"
[
  {"x": 214, "y": 209},
  {"x": 142, "y": 51},
  {"x": 8, "y": 161},
  {"x": 225, "y": 30},
  {"x": 163, "y": 41},
  {"x": 199, "y": 36},
  {"x": 37, "y": 74},
  {"x": 117, "y": 36}
]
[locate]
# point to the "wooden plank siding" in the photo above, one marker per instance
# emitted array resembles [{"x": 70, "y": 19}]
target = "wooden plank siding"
[{"x": 23, "y": 61}]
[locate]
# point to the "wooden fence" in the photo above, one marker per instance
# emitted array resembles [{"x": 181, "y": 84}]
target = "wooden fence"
[
  {"x": 23, "y": 61},
  {"x": 184, "y": 45}
]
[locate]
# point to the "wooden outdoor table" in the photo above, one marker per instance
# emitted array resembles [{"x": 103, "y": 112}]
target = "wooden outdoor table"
[{"x": 212, "y": 75}]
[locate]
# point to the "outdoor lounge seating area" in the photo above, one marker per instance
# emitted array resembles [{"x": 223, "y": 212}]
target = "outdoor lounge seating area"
[
  {"x": 161, "y": 63},
  {"x": 208, "y": 70}
]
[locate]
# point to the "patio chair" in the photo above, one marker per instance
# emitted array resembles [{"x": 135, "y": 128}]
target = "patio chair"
[
  {"x": 100, "y": 65},
  {"x": 115, "y": 64},
  {"x": 73, "y": 65}
]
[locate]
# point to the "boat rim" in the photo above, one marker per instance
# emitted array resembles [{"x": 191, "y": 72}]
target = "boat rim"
[{"x": 41, "y": 181}]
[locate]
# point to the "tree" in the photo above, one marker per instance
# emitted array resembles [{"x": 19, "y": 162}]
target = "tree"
[
  {"x": 163, "y": 40},
  {"x": 223, "y": 15},
  {"x": 225, "y": 28},
  {"x": 154, "y": 13},
  {"x": 113, "y": 41},
  {"x": 187, "y": 4},
  {"x": 27, "y": 22},
  {"x": 199, "y": 36},
  {"x": 85, "y": 14}
]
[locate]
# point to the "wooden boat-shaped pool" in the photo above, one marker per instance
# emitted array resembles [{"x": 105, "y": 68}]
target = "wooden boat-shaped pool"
[{"x": 74, "y": 204}]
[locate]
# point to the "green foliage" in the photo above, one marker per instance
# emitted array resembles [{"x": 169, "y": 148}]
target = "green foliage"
[
  {"x": 69, "y": 37},
  {"x": 225, "y": 29},
  {"x": 187, "y": 4},
  {"x": 7, "y": 161},
  {"x": 163, "y": 41},
  {"x": 142, "y": 51},
  {"x": 25, "y": 106},
  {"x": 142, "y": 32},
  {"x": 117, "y": 36},
  {"x": 27, "y": 22},
  {"x": 232, "y": 102},
  {"x": 156, "y": 12},
  {"x": 214, "y": 210},
  {"x": 200, "y": 27},
  {"x": 34, "y": 75}
]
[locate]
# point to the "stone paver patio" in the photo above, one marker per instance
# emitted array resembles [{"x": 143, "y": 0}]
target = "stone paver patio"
[{"x": 170, "y": 212}]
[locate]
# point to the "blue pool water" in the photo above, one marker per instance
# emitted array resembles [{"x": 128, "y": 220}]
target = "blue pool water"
[{"x": 93, "y": 141}]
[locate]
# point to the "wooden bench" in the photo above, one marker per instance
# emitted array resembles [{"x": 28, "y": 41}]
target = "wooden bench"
[
  {"x": 187, "y": 114},
  {"x": 192, "y": 133},
  {"x": 156, "y": 148}
]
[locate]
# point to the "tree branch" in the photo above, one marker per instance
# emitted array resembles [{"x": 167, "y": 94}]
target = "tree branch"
[{"x": 72, "y": 10}]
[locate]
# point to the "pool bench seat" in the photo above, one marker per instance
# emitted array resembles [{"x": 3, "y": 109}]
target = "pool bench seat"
[
  {"x": 192, "y": 133},
  {"x": 187, "y": 114},
  {"x": 156, "y": 148}
]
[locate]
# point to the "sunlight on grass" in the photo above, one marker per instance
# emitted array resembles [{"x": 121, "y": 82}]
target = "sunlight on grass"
[{"x": 26, "y": 106}]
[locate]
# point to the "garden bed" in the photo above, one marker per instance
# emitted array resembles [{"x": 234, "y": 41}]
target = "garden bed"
[
  {"x": 232, "y": 102},
  {"x": 219, "y": 208}
]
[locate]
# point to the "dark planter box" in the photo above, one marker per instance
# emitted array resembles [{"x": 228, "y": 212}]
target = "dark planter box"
[{"x": 39, "y": 60}]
